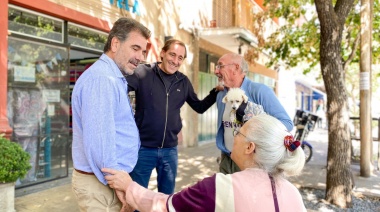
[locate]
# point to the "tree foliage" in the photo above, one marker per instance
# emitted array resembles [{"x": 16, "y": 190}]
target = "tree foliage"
[
  {"x": 325, "y": 34},
  {"x": 298, "y": 40}
]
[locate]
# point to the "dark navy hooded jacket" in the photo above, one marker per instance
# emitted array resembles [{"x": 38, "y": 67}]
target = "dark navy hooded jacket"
[{"x": 157, "y": 111}]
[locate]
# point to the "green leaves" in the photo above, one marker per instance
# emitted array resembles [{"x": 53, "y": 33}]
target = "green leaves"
[
  {"x": 14, "y": 161},
  {"x": 297, "y": 41}
]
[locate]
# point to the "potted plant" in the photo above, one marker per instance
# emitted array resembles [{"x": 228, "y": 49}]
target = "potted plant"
[{"x": 14, "y": 164}]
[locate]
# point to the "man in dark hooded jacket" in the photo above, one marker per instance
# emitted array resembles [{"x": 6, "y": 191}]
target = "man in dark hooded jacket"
[{"x": 160, "y": 91}]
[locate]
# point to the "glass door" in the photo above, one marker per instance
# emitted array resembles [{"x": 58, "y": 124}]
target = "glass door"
[
  {"x": 38, "y": 106},
  {"x": 207, "y": 125}
]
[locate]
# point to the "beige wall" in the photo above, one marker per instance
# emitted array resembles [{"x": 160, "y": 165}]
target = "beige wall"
[{"x": 179, "y": 19}]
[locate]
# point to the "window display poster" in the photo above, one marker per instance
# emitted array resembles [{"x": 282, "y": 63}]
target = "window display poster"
[
  {"x": 24, "y": 74},
  {"x": 51, "y": 110},
  {"x": 51, "y": 95}
]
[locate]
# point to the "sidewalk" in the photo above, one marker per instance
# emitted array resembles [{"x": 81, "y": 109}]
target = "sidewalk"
[
  {"x": 314, "y": 172},
  {"x": 194, "y": 164}
]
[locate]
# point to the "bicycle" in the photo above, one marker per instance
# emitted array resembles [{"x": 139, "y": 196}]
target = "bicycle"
[{"x": 304, "y": 124}]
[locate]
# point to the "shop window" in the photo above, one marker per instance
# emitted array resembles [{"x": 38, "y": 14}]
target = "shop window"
[
  {"x": 207, "y": 122},
  {"x": 270, "y": 82},
  {"x": 207, "y": 62},
  {"x": 256, "y": 77},
  {"x": 38, "y": 107},
  {"x": 87, "y": 38},
  {"x": 251, "y": 76},
  {"x": 203, "y": 62},
  {"x": 32, "y": 24}
]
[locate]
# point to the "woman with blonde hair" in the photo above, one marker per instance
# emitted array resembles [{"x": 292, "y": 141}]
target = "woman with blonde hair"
[{"x": 265, "y": 152}]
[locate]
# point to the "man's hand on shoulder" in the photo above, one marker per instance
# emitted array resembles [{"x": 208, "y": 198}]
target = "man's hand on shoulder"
[{"x": 219, "y": 88}]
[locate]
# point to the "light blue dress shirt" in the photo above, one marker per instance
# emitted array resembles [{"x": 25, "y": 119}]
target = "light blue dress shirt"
[{"x": 104, "y": 130}]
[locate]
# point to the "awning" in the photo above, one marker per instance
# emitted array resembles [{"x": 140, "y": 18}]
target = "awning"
[
  {"x": 233, "y": 39},
  {"x": 307, "y": 87},
  {"x": 317, "y": 94},
  {"x": 230, "y": 38}
]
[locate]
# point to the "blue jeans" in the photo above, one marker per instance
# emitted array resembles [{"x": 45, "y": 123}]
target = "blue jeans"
[{"x": 165, "y": 160}]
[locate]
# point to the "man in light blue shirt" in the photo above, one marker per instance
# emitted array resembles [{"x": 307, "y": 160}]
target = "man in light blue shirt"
[{"x": 104, "y": 130}]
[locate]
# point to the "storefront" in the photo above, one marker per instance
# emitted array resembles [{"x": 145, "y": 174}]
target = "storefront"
[
  {"x": 308, "y": 98},
  {"x": 46, "y": 53},
  {"x": 46, "y": 44}
]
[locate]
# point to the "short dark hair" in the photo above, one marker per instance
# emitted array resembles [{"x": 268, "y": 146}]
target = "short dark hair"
[
  {"x": 121, "y": 29},
  {"x": 170, "y": 42}
]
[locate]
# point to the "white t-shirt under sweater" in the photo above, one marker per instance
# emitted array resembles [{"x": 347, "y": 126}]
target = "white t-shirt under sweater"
[{"x": 229, "y": 127}]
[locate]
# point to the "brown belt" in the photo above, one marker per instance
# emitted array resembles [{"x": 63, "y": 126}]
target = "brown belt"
[{"x": 82, "y": 172}]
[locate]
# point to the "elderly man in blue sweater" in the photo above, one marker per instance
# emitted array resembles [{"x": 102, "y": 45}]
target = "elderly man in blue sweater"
[{"x": 231, "y": 72}]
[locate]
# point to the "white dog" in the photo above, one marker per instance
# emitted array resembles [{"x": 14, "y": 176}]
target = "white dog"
[
  {"x": 241, "y": 109},
  {"x": 235, "y": 96}
]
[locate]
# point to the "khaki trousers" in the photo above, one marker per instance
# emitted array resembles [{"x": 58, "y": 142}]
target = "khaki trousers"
[{"x": 92, "y": 195}]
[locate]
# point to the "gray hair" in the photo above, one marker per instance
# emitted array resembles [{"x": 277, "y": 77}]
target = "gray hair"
[
  {"x": 121, "y": 29},
  {"x": 237, "y": 58},
  {"x": 268, "y": 134}
]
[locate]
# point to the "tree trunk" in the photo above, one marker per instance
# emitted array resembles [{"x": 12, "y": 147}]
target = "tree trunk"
[{"x": 338, "y": 179}]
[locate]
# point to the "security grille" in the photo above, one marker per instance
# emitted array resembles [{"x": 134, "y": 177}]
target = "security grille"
[{"x": 223, "y": 13}]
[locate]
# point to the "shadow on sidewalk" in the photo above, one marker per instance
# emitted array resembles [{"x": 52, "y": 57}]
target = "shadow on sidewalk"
[{"x": 195, "y": 163}]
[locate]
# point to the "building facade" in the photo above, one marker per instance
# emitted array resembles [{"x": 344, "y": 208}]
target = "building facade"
[
  {"x": 46, "y": 44},
  {"x": 309, "y": 98}
]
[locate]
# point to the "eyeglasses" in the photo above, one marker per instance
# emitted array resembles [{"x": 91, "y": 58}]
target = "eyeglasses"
[
  {"x": 237, "y": 132},
  {"x": 218, "y": 67}
]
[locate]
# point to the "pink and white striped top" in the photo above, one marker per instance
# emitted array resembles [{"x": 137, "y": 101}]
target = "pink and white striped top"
[{"x": 248, "y": 190}]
